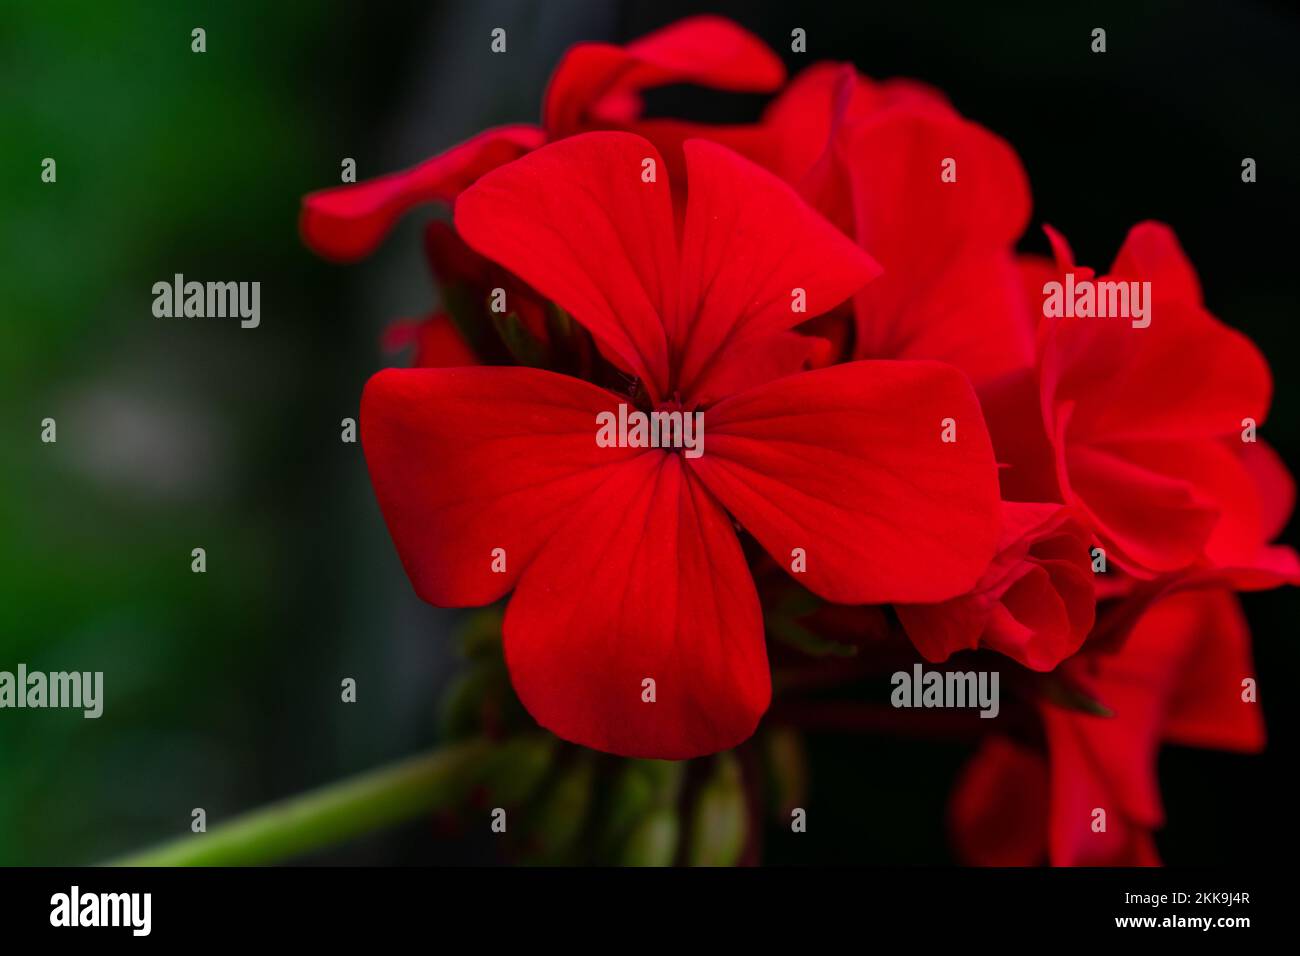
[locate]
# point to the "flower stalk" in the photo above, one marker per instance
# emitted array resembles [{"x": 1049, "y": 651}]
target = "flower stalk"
[{"x": 336, "y": 812}]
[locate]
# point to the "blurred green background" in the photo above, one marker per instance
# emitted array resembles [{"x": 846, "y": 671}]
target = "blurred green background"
[{"x": 222, "y": 689}]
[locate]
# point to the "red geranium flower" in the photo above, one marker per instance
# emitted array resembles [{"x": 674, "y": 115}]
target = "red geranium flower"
[
  {"x": 1141, "y": 430},
  {"x": 624, "y": 562},
  {"x": 1178, "y": 679},
  {"x": 1145, "y": 424}
]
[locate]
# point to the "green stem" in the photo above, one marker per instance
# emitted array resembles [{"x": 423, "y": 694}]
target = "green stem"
[{"x": 334, "y": 813}]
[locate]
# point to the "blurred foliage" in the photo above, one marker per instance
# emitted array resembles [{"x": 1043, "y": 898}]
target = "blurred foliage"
[{"x": 175, "y": 434}]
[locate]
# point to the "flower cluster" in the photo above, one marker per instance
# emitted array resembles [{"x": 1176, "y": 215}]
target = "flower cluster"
[{"x": 892, "y": 424}]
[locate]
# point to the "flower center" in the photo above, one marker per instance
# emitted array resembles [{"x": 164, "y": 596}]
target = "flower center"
[{"x": 669, "y": 426}]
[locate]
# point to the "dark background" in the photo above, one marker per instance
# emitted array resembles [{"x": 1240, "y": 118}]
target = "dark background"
[{"x": 222, "y": 689}]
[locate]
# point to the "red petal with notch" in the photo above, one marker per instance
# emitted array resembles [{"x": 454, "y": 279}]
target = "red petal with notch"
[
  {"x": 847, "y": 463},
  {"x": 576, "y": 222},
  {"x": 752, "y": 253}
]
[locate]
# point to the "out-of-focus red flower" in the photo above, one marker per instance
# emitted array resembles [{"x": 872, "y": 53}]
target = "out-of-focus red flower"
[
  {"x": 623, "y": 561},
  {"x": 998, "y": 812},
  {"x": 346, "y": 223},
  {"x": 595, "y": 86},
  {"x": 598, "y": 86},
  {"x": 1034, "y": 602},
  {"x": 1251, "y": 567},
  {"x": 1178, "y": 679}
]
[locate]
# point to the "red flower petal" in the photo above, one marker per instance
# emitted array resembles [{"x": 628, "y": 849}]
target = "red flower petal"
[
  {"x": 464, "y": 461},
  {"x": 1033, "y": 603},
  {"x": 758, "y": 360},
  {"x": 1274, "y": 486},
  {"x": 1187, "y": 375},
  {"x": 869, "y": 156},
  {"x": 1026, "y": 457},
  {"x": 951, "y": 289},
  {"x": 805, "y": 121},
  {"x": 596, "y": 83},
  {"x": 438, "y": 343},
  {"x": 998, "y": 810},
  {"x": 803, "y": 125},
  {"x": 1116, "y": 754},
  {"x": 751, "y": 251},
  {"x": 1148, "y": 521},
  {"x": 645, "y": 580},
  {"x": 1218, "y": 475},
  {"x": 1177, "y": 679},
  {"x": 1152, "y": 252},
  {"x": 575, "y": 221},
  {"x": 847, "y": 463},
  {"x": 1080, "y": 785},
  {"x": 347, "y": 222},
  {"x": 1207, "y": 710}
]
